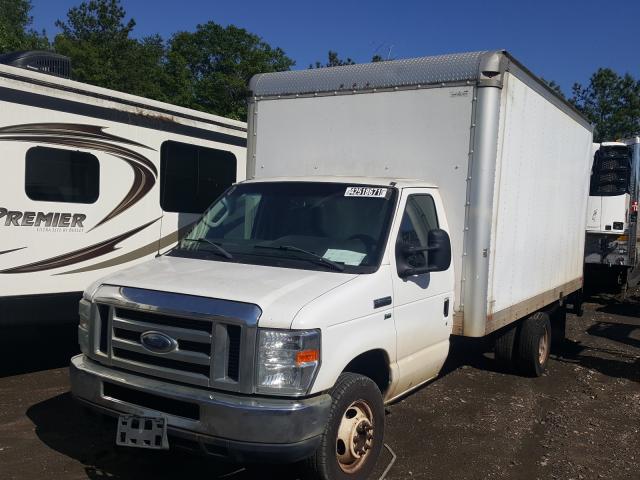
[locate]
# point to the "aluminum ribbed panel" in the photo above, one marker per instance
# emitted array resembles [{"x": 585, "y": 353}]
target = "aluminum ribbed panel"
[{"x": 456, "y": 67}]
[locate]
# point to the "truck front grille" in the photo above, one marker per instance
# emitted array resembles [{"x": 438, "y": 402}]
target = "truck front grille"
[
  {"x": 208, "y": 351},
  {"x": 213, "y": 340}
]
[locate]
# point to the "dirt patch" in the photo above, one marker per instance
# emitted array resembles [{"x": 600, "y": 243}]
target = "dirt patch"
[{"x": 581, "y": 420}]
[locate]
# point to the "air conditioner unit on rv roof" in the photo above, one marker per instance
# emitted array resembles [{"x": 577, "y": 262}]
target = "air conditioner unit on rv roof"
[{"x": 39, "y": 61}]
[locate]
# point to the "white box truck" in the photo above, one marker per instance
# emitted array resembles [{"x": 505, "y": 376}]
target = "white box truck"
[
  {"x": 95, "y": 180},
  {"x": 611, "y": 247},
  {"x": 390, "y": 206}
]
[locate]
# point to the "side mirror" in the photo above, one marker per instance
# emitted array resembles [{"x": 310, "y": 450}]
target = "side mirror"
[{"x": 437, "y": 255}]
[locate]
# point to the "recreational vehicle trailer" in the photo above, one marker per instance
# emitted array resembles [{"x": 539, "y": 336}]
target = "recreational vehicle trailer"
[
  {"x": 611, "y": 247},
  {"x": 94, "y": 180},
  {"x": 390, "y": 205}
]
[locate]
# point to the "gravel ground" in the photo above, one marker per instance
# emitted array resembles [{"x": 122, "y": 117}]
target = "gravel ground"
[{"x": 581, "y": 420}]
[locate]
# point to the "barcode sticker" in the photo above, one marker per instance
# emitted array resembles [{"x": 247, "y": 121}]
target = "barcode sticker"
[{"x": 377, "y": 192}]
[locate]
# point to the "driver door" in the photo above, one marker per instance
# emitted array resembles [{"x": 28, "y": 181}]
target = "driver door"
[{"x": 422, "y": 303}]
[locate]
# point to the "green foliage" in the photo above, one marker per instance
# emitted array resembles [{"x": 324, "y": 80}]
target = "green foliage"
[
  {"x": 611, "y": 102},
  {"x": 333, "y": 60},
  {"x": 97, "y": 38},
  {"x": 210, "y": 69},
  {"x": 553, "y": 86},
  {"x": 15, "y": 31}
]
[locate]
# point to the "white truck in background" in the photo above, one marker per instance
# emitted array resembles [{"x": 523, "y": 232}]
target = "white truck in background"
[
  {"x": 611, "y": 247},
  {"x": 389, "y": 206}
]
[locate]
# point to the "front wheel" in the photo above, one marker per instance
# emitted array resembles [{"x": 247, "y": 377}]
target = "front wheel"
[{"x": 352, "y": 439}]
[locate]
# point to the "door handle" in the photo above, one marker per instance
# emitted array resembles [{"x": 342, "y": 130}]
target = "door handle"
[
  {"x": 446, "y": 308},
  {"x": 381, "y": 302}
]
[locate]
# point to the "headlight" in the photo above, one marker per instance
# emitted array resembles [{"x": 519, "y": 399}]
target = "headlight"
[
  {"x": 84, "y": 311},
  {"x": 287, "y": 361}
]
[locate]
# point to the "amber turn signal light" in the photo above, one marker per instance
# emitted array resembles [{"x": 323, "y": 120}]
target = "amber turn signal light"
[{"x": 307, "y": 356}]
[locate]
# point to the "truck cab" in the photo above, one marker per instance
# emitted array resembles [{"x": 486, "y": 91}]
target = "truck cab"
[{"x": 350, "y": 274}]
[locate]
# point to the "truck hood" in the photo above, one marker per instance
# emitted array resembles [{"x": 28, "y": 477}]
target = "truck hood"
[{"x": 279, "y": 292}]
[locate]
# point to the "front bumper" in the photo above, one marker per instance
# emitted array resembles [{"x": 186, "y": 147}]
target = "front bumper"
[{"x": 241, "y": 428}]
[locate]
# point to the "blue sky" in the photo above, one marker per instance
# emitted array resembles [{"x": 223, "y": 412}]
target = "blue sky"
[{"x": 561, "y": 40}]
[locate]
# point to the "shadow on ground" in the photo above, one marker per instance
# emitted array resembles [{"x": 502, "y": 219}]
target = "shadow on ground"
[
  {"x": 593, "y": 358},
  {"x": 34, "y": 348},
  {"x": 607, "y": 340},
  {"x": 613, "y": 306},
  {"x": 63, "y": 425}
]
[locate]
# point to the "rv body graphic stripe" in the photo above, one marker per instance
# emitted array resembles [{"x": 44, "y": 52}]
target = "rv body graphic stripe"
[
  {"x": 69, "y": 130},
  {"x": 12, "y": 250},
  {"x": 78, "y": 256},
  {"x": 91, "y": 137},
  {"x": 148, "y": 249},
  {"x": 162, "y": 123}
]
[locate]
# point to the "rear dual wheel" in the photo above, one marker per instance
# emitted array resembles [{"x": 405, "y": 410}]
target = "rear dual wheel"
[
  {"x": 534, "y": 344},
  {"x": 526, "y": 345}
]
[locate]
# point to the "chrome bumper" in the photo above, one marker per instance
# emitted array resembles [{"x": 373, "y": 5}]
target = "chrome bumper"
[{"x": 239, "y": 427}]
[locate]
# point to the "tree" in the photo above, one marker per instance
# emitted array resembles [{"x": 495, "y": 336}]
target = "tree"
[
  {"x": 210, "y": 69},
  {"x": 611, "y": 102},
  {"x": 98, "y": 39},
  {"x": 15, "y": 34},
  {"x": 333, "y": 60},
  {"x": 553, "y": 86}
]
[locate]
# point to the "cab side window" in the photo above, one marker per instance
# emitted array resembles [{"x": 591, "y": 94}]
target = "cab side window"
[{"x": 419, "y": 218}]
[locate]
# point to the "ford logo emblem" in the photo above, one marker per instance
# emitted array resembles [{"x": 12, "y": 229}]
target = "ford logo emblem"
[{"x": 158, "y": 342}]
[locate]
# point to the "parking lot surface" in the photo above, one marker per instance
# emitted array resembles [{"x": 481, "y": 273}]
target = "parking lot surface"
[{"x": 581, "y": 420}]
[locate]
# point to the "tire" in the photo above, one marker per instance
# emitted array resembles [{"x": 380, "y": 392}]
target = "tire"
[
  {"x": 357, "y": 404},
  {"x": 534, "y": 344},
  {"x": 505, "y": 346}
]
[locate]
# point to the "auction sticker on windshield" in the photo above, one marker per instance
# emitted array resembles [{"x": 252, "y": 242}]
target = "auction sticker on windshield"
[
  {"x": 377, "y": 192},
  {"x": 348, "y": 257}
]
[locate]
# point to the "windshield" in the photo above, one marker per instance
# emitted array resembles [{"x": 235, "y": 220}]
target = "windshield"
[{"x": 309, "y": 225}]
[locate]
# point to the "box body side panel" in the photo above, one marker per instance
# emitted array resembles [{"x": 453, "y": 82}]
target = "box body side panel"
[{"x": 541, "y": 192}]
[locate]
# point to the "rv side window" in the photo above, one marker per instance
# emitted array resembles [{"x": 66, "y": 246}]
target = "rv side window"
[
  {"x": 57, "y": 175},
  {"x": 192, "y": 177}
]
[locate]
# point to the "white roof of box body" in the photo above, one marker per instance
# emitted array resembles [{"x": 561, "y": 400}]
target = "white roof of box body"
[{"x": 457, "y": 67}]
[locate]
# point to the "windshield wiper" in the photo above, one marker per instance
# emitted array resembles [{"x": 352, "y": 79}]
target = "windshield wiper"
[
  {"x": 218, "y": 248},
  {"x": 315, "y": 256}
]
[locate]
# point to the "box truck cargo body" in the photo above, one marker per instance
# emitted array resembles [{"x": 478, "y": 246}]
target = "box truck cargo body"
[
  {"x": 388, "y": 207},
  {"x": 510, "y": 159}
]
